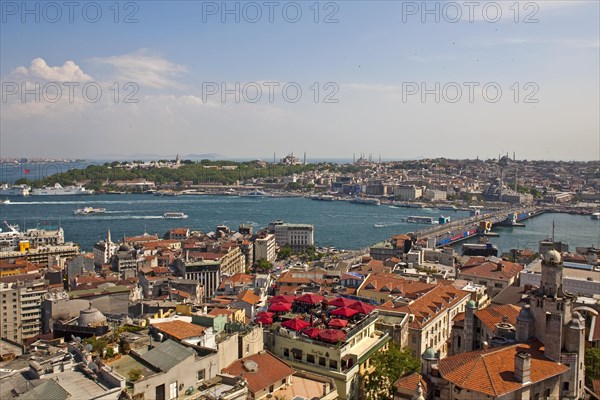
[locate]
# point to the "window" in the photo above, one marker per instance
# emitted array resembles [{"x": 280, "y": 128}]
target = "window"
[
  {"x": 201, "y": 375},
  {"x": 498, "y": 286},
  {"x": 333, "y": 364},
  {"x": 310, "y": 358},
  {"x": 322, "y": 361},
  {"x": 286, "y": 352},
  {"x": 271, "y": 388},
  {"x": 565, "y": 385},
  {"x": 173, "y": 390},
  {"x": 547, "y": 393}
]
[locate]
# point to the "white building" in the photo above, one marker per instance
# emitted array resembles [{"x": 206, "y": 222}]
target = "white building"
[
  {"x": 104, "y": 250},
  {"x": 408, "y": 193},
  {"x": 297, "y": 236},
  {"x": 264, "y": 247},
  {"x": 435, "y": 195}
]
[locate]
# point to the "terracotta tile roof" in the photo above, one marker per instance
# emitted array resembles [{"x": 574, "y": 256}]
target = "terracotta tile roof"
[
  {"x": 409, "y": 382},
  {"x": 502, "y": 270},
  {"x": 180, "y": 329},
  {"x": 395, "y": 285},
  {"x": 271, "y": 370},
  {"x": 433, "y": 303},
  {"x": 249, "y": 297},
  {"x": 494, "y": 313},
  {"x": 491, "y": 372}
]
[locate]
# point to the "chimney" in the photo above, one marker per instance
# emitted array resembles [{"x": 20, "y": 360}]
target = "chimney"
[{"x": 523, "y": 367}]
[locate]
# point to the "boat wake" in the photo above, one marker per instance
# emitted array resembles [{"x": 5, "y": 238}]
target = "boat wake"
[{"x": 387, "y": 225}]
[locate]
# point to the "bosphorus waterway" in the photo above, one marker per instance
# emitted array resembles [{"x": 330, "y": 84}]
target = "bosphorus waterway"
[{"x": 339, "y": 223}]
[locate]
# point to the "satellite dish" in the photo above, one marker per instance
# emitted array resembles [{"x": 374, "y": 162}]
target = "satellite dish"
[
  {"x": 77, "y": 339},
  {"x": 89, "y": 347}
]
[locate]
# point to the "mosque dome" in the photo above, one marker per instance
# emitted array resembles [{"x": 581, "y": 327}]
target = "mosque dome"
[
  {"x": 91, "y": 317},
  {"x": 471, "y": 304},
  {"x": 429, "y": 354}
]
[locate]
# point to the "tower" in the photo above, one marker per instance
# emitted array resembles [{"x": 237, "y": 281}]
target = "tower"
[
  {"x": 524, "y": 324},
  {"x": 470, "y": 325},
  {"x": 552, "y": 274}
]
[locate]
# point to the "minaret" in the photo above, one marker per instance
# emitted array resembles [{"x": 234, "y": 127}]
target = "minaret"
[{"x": 469, "y": 331}]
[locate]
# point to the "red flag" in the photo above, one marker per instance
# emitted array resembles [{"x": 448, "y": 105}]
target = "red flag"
[{"x": 26, "y": 171}]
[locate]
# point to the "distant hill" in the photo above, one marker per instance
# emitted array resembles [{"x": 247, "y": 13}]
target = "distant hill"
[{"x": 153, "y": 157}]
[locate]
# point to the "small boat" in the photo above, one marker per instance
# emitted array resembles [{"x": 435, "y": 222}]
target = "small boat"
[
  {"x": 89, "y": 210},
  {"x": 5, "y": 201},
  {"x": 416, "y": 219},
  {"x": 174, "y": 215},
  {"x": 596, "y": 215}
]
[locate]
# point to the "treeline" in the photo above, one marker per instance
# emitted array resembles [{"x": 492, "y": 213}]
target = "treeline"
[{"x": 189, "y": 172}]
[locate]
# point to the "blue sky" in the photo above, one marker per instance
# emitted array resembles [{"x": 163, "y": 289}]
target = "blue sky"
[{"x": 371, "y": 57}]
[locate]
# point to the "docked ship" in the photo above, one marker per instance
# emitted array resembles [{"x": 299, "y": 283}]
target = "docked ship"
[
  {"x": 365, "y": 200},
  {"x": 14, "y": 190},
  {"x": 89, "y": 210},
  {"x": 255, "y": 193},
  {"x": 58, "y": 190},
  {"x": 174, "y": 215},
  {"x": 416, "y": 219}
]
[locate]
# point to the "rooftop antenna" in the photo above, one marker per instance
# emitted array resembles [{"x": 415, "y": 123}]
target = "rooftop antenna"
[
  {"x": 553, "y": 231},
  {"x": 304, "y": 158}
]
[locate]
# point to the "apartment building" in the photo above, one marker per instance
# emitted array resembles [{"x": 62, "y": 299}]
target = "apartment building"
[
  {"x": 22, "y": 309},
  {"x": 298, "y": 236},
  {"x": 264, "y": 248},
  {"x": 408, "y": 192}
]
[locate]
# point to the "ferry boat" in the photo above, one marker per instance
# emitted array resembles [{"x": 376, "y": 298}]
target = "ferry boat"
[
  {"x": 596, "y": 215},
  {"x": 255, "y": 193},
  {"x": 366, "y": 200},
  {"x": 417, "y": 219},
  {"x": 174, "y": 215},
  {"x": 5, "y": 201},
  {"x": 59, "y": 190},
  {"x": 89, "y": 210},
  {"x": 14, "y": 190}
]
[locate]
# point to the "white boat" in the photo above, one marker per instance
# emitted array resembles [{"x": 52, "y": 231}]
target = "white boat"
[
  {"x": 174, "y": 215},
  {"x": 255, "y": 193},
  {"x": 365, "y": 200},
  {"x": 5, "y": 201},
  {"x": 447, "y": 208},
  {"x": 58, "y": 190},
  {"x": 417, "y": 219},
  {"x": 596, "y": 215},
  {"x": 14, "y": 190},
  {"x": 89, "y": 210}
]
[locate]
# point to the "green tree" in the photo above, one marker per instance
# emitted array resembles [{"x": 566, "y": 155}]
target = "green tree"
[
  {"x": 388, "y": 366},
  {"x": 592, "y": 364},
  {"x": 263, "y": 265},
  {"x": 285, "y": 252},
  {"x": 135, "y": 374},
  {"x": 110, "y": 353}
]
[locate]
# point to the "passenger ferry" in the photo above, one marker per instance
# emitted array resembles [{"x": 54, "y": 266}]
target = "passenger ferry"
[
  {"x": 416, "y": 219},
  {"x": 89, "y": 210},
  {"x": 174, "y": 215}
]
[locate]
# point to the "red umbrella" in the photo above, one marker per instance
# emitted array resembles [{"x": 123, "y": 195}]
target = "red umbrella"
[
  {"x": 332, "y": 335},
  {"x": 296, "y": 324},
  {"x": 265, "y": 314},
  {"x": 280, "y": 307},
  {"x": 337, "y": 323},
  {"x": 341, "y": 302},
  {"x": 264, "y": 320},
  {"x": 344, "y": 312},
  {"x": 311, "y": 332},
  {"x": 281, "y": 299},
  {"x": 362, "y": 308},
  {"x": 310, "y": 298}
]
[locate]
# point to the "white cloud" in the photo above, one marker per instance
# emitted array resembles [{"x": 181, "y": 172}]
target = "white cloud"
[
  {"x": 145, "y": 69},
  {"x": 39, "y": 69}
]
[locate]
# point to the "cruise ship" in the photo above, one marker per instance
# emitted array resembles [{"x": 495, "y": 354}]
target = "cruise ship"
[
  {"x": 365, "y": 200},
  {"x": 58, "y": 190},
  {"x": 15, "y": 190}
]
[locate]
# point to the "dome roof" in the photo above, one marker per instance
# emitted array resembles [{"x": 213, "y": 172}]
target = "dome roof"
[
  {"x": 471, "y": 304},
  {"x": 525, "y": 314},
  {"x": 429, "y": 354},
  {"x": 124, "y": 247},
  {"x": 577, "y": 321},
  {"x": 91, "y": 317},
  {"x": 553, "y": 257}
]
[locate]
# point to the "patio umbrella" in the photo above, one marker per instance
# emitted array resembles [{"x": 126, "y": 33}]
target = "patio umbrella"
[
  {"x": 311, "y": 332},
  {"x": 281, "y": 299},
  {"x": 337, "y": 323},
  {"x": 280, "y": 307},
  {"x": 341, "y": 302},
  {"x": 295, "y": 324},
  {"x": 332, "y": 335},
  {"x": 264, "y": 320},
  {"x": 344, "y": 312},
  {"x": 310, "y": 298},
  {"x": 265, "y": 314},
  {"x": 362, "y": 308}
]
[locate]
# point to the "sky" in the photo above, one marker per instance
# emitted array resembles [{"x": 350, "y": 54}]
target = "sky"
[{"x": 396, "y": 79}]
